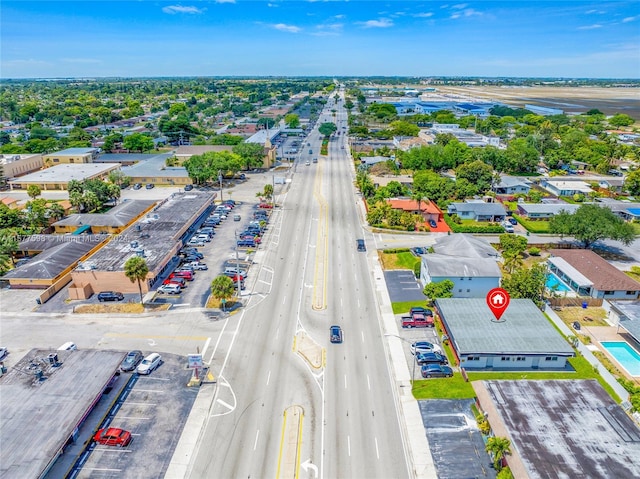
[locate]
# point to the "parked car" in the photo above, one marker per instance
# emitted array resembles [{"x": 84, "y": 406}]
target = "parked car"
[
  {"x": 110, "y": 296},
  {"x": 113, "y": 436},
  {"x": 203, "y": 237},
  {"x": 256, "y": 238},
  {"x": 149, "y": 363},
  {"x": 425, "y": 347},
  {"x": 433, "y": 224},
  {"x": 188, "y": 275},
  {"x": 170, "y": 289},
  {"x": 265, "y": 206},
  {"x": 436, "y": 371},
  {"x": 3, "y": 353},
  {"x": 335, "y": 334},
  {"x": 195, "y": 242},
  {"x": 513, "y": 221},
  {"x": 137, "y": 186},
  {"x": 237, "y": 217},
  {"x": 235, "y": 270},
  {"x": 149, "y": 186},
  {"x": 131, "y": 361},
  {"x": 428, "y": 358},
  {"x": 188, "y": 187},
  {"x": 246, "y": 243},
  {"x": 236, "y": 277},
  {"x": 198, "y": 266}
]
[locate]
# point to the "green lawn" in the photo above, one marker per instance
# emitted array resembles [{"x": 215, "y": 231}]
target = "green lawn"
[
  {"x": 443, "y": 388},
  {"x": 539, "y": 226},
  {"x": 636, "y": 227},
  {"x": 405, "y": 306},
  {"x": 407, "y": 260}
]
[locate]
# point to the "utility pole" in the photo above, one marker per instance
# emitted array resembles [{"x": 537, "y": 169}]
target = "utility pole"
[
  {"x": 220, "y": 180},
  {"x": 238, "y": 277}
]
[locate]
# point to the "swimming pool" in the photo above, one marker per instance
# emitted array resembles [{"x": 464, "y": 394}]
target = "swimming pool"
[
  {"x": 628, "y": 357},
  {"x": 555, "y": 284}
]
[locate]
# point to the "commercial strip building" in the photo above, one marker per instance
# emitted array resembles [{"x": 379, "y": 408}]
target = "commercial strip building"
[
  {"x": 588, "y": 274},
  {"x": 156, "y": 237},
  {"x": 45, "y": 399},
  {"x": 523, "y": 339},
  {"x": 17, "y": 165},
  {"x": 58, "y": 177},
  {"x": 562, "y": 428},
  {"x": 112, "y": 222},
  {"x": 156, "y": 172}
]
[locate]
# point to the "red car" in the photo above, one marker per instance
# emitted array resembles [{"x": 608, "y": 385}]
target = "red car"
[
  {"x": 265, "y": 206},
  {"x": 256, "y": 239},
  {"x": 113, "y": 436}
]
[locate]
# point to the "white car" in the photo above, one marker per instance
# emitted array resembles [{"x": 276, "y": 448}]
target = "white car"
[
  {"x": 425, "y": 347},
  {"x": 195, "y": 242},
  {"x": 196, "y": 265},
  {"x": 169, "y": 289},
  {"x": 149, "y": 363}
]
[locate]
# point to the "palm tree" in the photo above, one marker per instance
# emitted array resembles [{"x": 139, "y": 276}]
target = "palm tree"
[
  {"x": 512, "y": 261},
  {"x": 136, "y": 269},
  {"x": 498, "y": 447},
  {"x": 222, "y": 289},
  {"x": 55, "y": 211}
]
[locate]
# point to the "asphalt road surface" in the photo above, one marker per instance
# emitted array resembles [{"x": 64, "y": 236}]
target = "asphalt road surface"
[{"x": 275, "y": 413}]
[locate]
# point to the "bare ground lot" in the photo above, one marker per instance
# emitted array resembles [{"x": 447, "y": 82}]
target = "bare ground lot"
[{"x": 576, "y": 99}]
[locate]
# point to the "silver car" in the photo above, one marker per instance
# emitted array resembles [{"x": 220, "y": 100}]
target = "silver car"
[{"x": 149, "y": 363}]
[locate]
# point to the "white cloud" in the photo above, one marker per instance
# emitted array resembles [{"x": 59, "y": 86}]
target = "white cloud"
[
  {"x": 328, "y": 29},
  {"x": 339, "y": 17},
  {"x": 629, "y": 19},
  {"x": 272, "y": 5},
  {"x": 423, "y": 15},
  {"x": 590, "y": 27},
  {"x": 283, "y": 27},
  {"x": 381, "y": 23},
  {"x": 459, "y": 6},
  {"x": 591, "y": 12},
  {"x": 81, "y": 60},
  {"x": 468, "y": 12},
  {"x": 173, "y": 9},
  {"x": 225, "y": 1},
  {"x": 27, "y": 62}
]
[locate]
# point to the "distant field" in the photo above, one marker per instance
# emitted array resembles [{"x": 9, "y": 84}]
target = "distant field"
[{"x": 579, "y": 99}]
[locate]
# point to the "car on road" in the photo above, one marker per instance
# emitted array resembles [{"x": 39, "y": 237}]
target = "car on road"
[
  {"x": 169, "y": 289},
  {"x": 431, "y": 358},
  {"x": 237, "y": 217},
  {"x": 149, "y": 186},
  {"x": 335, "y": 334},
  {"x": 113, "y": 436},
  {"x": 110, "y": 296},
  {"x": 433, "y": 224},
  {"x": 131, "y": 361},
  {"x": 188, "y": 187},
  {"x": 3, "y": 353},
  {"x": 424, "y": 347},
  {"x": 137, "y": 186},
  {"x": 361, "y": 245},
  {"x": 149, "y": 363},
  {"x": 308, "y": 163},
  {"x": 436, "y": 371}
]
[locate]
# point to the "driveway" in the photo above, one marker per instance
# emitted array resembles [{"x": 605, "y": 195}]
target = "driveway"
[{"x": 403, "y": 286}]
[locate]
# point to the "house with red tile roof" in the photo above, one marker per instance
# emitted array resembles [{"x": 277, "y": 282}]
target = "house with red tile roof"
[{"x": 427, "y": 209}]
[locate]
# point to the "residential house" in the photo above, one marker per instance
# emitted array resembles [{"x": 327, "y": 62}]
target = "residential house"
[
  {"x": 427, "y": 209},
  {"x": 372, "y": 160},
  {"x": 465, "y": 245},
  {"x": 510, "y": 185},
  {"x": 566, "y": 187},
  {"x": 588, "y": 274},
  {"x": 538, "y": 211},
  {"x": 471, "y": 277},
  {"x": 478, "y": 211},
  {"x": 613, "y": 185}
]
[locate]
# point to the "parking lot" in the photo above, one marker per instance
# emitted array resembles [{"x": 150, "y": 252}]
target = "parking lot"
[
  {"x": 412, "y": 335},
  {"x": 403, "y": 286},
  {"x": 154, "y": 409}
]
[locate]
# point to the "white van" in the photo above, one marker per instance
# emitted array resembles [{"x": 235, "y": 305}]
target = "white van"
[
  {"x": 68, "y": 346},
  {"x": 235, "y": 270}
]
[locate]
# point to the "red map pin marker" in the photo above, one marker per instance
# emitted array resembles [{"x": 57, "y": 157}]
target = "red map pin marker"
[{"x": 498, "y": 302}]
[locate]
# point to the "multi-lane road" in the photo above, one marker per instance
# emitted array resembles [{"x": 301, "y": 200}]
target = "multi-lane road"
[{"x": 280, "y": 413}]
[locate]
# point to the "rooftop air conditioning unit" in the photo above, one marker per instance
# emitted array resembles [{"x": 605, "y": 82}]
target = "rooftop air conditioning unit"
[{"x": 134, "y": 244}]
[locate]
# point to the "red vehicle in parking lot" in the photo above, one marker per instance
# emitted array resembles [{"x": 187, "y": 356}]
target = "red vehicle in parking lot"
[
  {"x": 265, "y": 206},
  {"x": 113, "y": 436},
  {"x": 188, "y": 275},
  {"x": 176, "y": 280}
]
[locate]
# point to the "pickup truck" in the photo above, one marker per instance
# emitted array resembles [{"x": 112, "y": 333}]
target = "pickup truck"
[{"x": 419, "y": 318}]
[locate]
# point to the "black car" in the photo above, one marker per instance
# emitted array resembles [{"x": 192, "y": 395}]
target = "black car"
[
  {"x": 137, "y": 186},
  {"x": 188, "y": 187},
  {"x": 436, "y": 371},
  {"x": 130, "y": 363},
  {"x": 431, "y": 358},
  {"x": 110, "y": 296},
  {"x": 149, "y": 186}
]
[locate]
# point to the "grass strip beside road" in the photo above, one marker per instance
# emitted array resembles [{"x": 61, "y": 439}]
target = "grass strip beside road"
[{"x": 405, "y": 306}]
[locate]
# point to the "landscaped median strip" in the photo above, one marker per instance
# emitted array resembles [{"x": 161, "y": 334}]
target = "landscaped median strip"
[{"x": 311, "y": 351}]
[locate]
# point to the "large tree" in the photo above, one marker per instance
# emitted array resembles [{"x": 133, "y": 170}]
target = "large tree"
[
  {"x": 591, "y": 223},
  {"x": 292, "y": 120},
  {"x": 33, "y": 191},
  {"x": 252, "y": 154},
  {"x": 439, "y": 289},
  {"x": 138, "y": 142},
  {"x": 136, "y": 270},
  {"x": 527, "y": 283},
  {"x": 202, "y": 168},
  {"x": 477, "y": 173},
  {"x": 327, "y": 129},
  {"x": 8, "y": 246},
  {"x": 632, "y": 183}
]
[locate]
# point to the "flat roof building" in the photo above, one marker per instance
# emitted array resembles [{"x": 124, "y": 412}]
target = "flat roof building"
[
  {"x": 71, "y": 155},
  {"x": 58, "y": 177},
  {"x": 18, "y": 165},
  {"x": 522, "y": 340},
  {"x": 155, "y": 171},
  {"x": 157, "y": 237},
  {"x": 112, "y": 222},
  {"x": 43, "y": 404},
  {"x": 561, "y": 429}
]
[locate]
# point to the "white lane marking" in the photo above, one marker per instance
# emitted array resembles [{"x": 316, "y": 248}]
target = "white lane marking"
[
  {"x": 362, "y": 334},
  {"x": 368, "y": 383},
  {"x": 206, "y": 346},
  {"x": 377, "y": 451},
  {"x": 355, "y": 276},
  {"x": 358, "y": 302},
  {"x": 255, "y": 444},
  {"x": 284, "y": 299},
  {"x": 340, "y": 302},
  {"x": 228, "y": 406},
  {"x": 345, "y": 381},
  {"x": 268, "y": 377},
  {"x": 349, "y": 445},
  {"x": 137, "y": 417}
]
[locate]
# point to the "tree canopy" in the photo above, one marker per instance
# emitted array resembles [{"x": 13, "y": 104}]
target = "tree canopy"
[
  {"x": 591, "y": 223},
  {"x": 205, "y": 167},
  {"x": 327, "y": 129}
]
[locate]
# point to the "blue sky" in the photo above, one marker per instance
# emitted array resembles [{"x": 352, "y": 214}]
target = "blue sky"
[{"x": 51, "y": 39}]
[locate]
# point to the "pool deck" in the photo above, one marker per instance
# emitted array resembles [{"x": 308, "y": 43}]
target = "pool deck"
[{"x": 611, "y": 333}]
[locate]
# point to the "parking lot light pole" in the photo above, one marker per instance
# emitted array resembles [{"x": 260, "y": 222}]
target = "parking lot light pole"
[
  {"x": 238, "y": 279},
  {"x": 220, "y": 180},
  {"x": 415, "y": 359}
]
